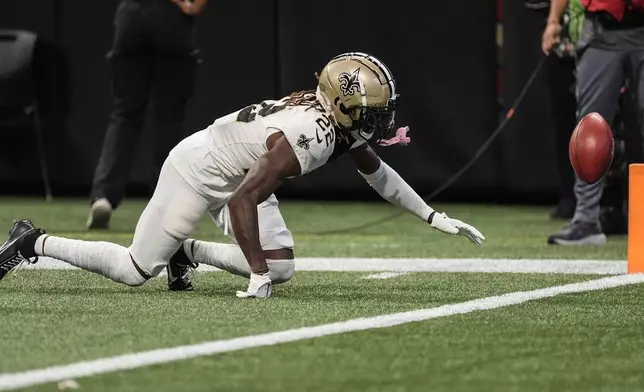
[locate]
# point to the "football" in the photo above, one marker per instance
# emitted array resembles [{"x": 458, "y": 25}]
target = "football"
[{"x": 591, "y": 148}]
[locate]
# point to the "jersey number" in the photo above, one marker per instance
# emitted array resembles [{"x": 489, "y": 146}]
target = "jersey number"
[
  {"x": 324, "y": 131},
  {"x": 249, "y": 113}
]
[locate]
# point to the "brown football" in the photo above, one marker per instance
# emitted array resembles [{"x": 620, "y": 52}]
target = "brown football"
[{"x": 591, "y": 148}]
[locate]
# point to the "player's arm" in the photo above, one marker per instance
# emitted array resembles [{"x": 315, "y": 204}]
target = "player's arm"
[
  {"x": 552, "y": 32},
  {"x": 393, "y": 188},
  {"x": 263, "y": 178},
  {"x": 557, "y": 8},
  {"x": 191, "y": 7},
  {"x": 387, "y": 182}
]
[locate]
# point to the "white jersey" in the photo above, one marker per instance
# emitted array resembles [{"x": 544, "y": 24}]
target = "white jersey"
[{"x": 219, "y": 156}]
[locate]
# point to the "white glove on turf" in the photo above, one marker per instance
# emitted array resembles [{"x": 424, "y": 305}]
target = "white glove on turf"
[
  {"x": 260, "y": 286},
  {"x": 454, "y": 226}
]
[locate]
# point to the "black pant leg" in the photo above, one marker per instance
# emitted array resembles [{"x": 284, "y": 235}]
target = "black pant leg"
[
  {"x": 173, "y": 85},
  {"x": 131, "y": 75},
  {"x": 173, "y": 79}
]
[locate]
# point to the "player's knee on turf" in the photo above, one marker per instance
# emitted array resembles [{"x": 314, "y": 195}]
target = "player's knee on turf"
[
  {"x": 133, "y": 281},
  {"x": 124, "y": 270},
  {"x": 281, "y": 263},
  {"x": 278, "y": 246},
  {"x": 281, "y": 270}
]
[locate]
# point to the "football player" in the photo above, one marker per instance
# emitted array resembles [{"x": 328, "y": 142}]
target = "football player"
[{"x": 231, "y": 170}]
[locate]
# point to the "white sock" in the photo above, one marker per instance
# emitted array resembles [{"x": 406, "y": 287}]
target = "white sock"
[
  {"x": 224, "y": 256},
  {"x": 105, "y": 258},
  {"x": 230, "y": 258}
]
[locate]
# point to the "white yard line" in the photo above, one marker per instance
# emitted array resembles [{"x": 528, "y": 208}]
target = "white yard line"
[
  {"x": 154, "y": 357},
  {"x": 385, "y": 275},
  {"x": 591, "y": 267}
]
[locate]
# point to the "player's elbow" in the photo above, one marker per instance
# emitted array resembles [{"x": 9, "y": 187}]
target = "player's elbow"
[{"x": 239, "y": 202}]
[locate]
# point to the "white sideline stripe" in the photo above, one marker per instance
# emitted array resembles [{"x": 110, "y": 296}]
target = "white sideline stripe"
[
  {"x": 385, "y": 275},
  {"x": 154, "y": 357},
  {"x": 591, "y": 267}
]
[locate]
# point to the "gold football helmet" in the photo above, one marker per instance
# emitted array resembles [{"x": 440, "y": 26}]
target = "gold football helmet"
[{"x": 360, "y": 92}]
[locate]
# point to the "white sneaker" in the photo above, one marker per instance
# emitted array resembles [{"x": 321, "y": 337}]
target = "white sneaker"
[
  {"x": 99, "y": 215},
  {"x": 260, "y": 286}
]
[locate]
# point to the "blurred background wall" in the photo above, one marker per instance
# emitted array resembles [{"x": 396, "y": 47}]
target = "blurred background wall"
[{"x": 455, "y": 85}]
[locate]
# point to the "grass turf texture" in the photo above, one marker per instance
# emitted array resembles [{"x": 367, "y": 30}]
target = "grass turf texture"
[
  {"x": 57, "y": 317},
  {"x": 511, "y": 232},
  {"x": 582, "y": 342}
]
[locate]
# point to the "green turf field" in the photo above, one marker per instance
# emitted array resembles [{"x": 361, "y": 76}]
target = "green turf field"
[
  {"x": 588, "y": 341},
  {"x": 511, "y": 232}
]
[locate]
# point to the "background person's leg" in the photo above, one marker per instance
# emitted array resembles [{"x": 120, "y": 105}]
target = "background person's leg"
[
  {"x": 600, "y": 74},
  {"x": 130, "y": 73}
]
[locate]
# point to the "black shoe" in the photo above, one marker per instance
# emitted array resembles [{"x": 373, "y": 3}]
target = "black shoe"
[
  {"x": 19, "y": 247},
  {"x": 578, "y": 234},
  {"x": 100, "y": 214},
  {"x": 179, "y": 271}
]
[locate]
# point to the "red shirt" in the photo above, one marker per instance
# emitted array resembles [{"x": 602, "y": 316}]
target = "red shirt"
[{"x": 616, "y": 8}]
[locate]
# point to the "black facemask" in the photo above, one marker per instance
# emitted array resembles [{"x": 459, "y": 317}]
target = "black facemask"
[{"x": 376, "y": 121}]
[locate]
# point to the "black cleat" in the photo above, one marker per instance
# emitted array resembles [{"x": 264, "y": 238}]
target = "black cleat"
[
  {"x": 179, "y": 271},
  {"x": 578, "y": 234},
  {"x": 19, "y": 246}
]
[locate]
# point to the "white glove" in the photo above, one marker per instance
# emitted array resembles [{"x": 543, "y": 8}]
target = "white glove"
[
  {"x": 260, "y": 286},
  {"x": 454, "y": 226}
]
